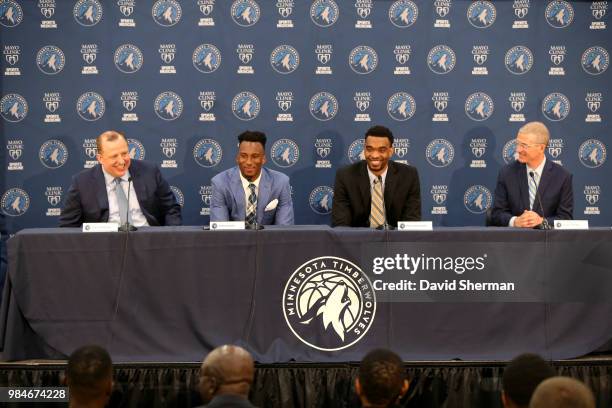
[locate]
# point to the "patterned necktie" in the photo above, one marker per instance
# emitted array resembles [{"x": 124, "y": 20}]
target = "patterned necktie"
[
  {"x": 377, "y": 215},
  {"x": 251, "y": 211},
  {"x": 122, "y": 202},
  {"x": 533, "y": 187}
]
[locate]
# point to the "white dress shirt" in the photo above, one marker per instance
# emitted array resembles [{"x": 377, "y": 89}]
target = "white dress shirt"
[
  {"x": 247, "y": 191},
  {"x": 138, "y": 218}
]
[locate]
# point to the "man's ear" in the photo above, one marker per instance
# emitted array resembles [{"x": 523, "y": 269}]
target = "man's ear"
[
  {"x": 405, "y": 387},
  {"x": 357, "y": 387}
]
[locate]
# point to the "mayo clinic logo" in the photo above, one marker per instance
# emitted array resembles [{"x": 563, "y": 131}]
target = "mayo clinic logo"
[
  {"x": 321, "y": 199},
  {"x": 15, "y": 151},
  {"x": 47, "y": 9},
  {"x": 442, "y": 8},
  {"x": 13, "y": 107},
  {"x": 168, "y": 148},
  {"x": 284, "y": 100},
  {"x": 11, "y": 55},
  {"x": 440, "y": 153},
  {"x": 285, "y": 153},
  {"x": 245, "y": 13},
  {"x": 598, "y": 10},
  {"x": 207, "y": 153},
  {"x": 285, "y": 9},
  {"x": 403, "y": 13},
  {"x": 521, "y": 9},
  {"x": 441, "y": 59},
  {"x": 206, "y": 58},
  {"x": 559, "y": 14},
  {"x": 555, "y": 148},
  {"x": 440, "y": 102},
  {"x": 517, "y": 103},
  {"x": 166, "y": 13},
  {"x": 246, "y": 106},
  {"x": 363, "y": 59},
  {"x": 509, "y": 151},
  {"x": 206, "y": 8},
  {"x": 50, "y": 60},
  {"x": 205, "y": 194},
  {"x": 402, "y": 55},
  {"x": 128, "y": 58},
  {"x": 87, "y": 13},
  {"x": 481, "y": 14},
  {"x": 591, "y": 194},
  {"x": 284, "y": 59},
  {"x": 479, "y": 106},
  {"x": 400, "y": 150},
  {"x": 11, "y": 13},
  {"x": 355, "y": 151},
  {"x": 168, "y": 105},
  {"x": 595, "y": 60},
  {"x": 136, "y": 149},
  {"x": 323, "y": 106},
  {"x": 324, "y": 13},
  {"x": 401, "y": 106},
  {"x": 439, "y": 193},
  {"x": 477, "y": 199},
  {"x": 593, "y": 100},
  {"x": 15, "y": 202},
  {"x": 478, "y": 148},
  {"x": 592, "y": 153},
  {"x": 519, "y": 60},
  {"x": 364, "y": 9},
  {"x": 126, "y": 7},
  {"x": 556, "y": 107},
  {"x": 54, "y": 197},
  {"x": 178, "y": 195},
  {"x": 329, "y": 303},
  {"x": 53, "y": 154},
  {"x": 207, "y": 102}
]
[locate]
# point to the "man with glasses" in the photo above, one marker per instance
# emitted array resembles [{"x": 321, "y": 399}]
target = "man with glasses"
[{"x": 532, "y": 191}]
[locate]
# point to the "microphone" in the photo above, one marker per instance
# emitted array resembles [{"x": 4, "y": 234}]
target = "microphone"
[
  {"x": 385, "y": 225},
  {"x": 544, "y": 225},
  {"x": 127, "y": 227}
]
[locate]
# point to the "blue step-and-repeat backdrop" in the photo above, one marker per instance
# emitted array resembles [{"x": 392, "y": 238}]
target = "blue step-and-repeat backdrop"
[{"x": 453, "y": 79}]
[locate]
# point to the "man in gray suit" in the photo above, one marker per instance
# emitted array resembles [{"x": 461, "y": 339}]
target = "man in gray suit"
[{"x": 249, "y": 191}]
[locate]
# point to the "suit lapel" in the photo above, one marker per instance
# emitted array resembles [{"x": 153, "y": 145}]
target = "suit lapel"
[
  {"x": 238, "y": 194},
  {"x": 101, "y": 194},
  {"x": 521, "y": 176},
  {"x": 543, "y": 184},
  {"x": 139, "y": 188},
  {"x": 265, "y": 189},
  {"x": 390, "y": 182},
  {"x": 364, "y": 187}
]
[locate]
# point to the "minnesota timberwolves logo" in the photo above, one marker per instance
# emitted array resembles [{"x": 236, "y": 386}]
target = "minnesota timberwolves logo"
[
  {"x": 284, "y": 59},
  {"x": 481, "y": 14},
  {"x": 479, "y": 106},
  {"x": 207, "y": 153},
  {"x": 556, "y": 106},
  {"x": 128, "y": 58},
  {"x": 136, "y": 149},
  {"x": 329, "y": 303},
  {"x": 285, "y": 153},
  {"x": 403, "y": 13},
  {"x": 477, "y": 199},
  {"x": 559, "y": 14},
  {"x": 11, "y": 13},
  {"x": 166, "y": 13},
  {"x": 592, "y": 153},
  {"x": 15, "y": 202},
  {"x": 178, "y": 195},
  {"x": 206, "y": 58},
  {"x": 324, "y": 13},
  {"x": 87, "y": 13},
  {"x": 519, "y": 60},
  {"x": 595, "y": 60},
  {"x": 441, "y": 59},
  {"x": 53, "y": 154},
  {"x": 321, "y": 199},
  {"x": 401, "y": 106},
  {"x": 509, "y": 151},
  {"x": 91, "y": 106},
  {"x": 323, "y": 106},
  {"x": 440, "y": 153},
  {"x": 245, "y": 13},
  {"x": 363, "y": 59},
  {"x": 246, "y": 106},
  {"x": 355, "y": 151},
  {"x": 168, "y": 105},
  {"x": 50, "y": 60},
  {"x": 13, "y": 107}
]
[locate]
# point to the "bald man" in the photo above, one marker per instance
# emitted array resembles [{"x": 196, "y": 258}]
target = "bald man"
[
  {"x": 562, "y": 392},
  {"x": 226, "y": 376}
]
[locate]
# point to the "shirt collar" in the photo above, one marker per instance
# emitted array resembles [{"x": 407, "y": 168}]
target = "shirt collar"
[
  {"x": 108, "y": 179},
  {"x": 245, "y": 182},
  {"x": 374, "y": 177},
  {"x": 538, "y": 170}
]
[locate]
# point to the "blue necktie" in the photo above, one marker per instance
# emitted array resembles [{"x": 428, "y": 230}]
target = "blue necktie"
[
  {"x": 122, "y": 202},
  {"x": 251, "y": 212}
]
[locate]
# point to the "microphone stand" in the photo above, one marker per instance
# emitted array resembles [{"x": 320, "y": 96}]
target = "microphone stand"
[
  {"x": 127, "y": 227},
  {"x": 544, "y": 225}
]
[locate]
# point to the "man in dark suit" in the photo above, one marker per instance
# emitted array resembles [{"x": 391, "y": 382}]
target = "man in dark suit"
[
  {"x": 99, "y": 194},
  {"x": 226, "y": 376},
  {"x": 360, "y": 187},
  {"x": 516, "y": 202}
]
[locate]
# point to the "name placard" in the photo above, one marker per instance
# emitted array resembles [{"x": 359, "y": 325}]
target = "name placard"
[
  {"x": 415, "y": 226},
  {"x": 571, "y": 224},
  {"x": 226, "y": 225},
  {"x": 100, "y": 227}
]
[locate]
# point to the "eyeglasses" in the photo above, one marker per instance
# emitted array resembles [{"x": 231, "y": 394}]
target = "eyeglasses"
[{"x": 525, "y": 145}]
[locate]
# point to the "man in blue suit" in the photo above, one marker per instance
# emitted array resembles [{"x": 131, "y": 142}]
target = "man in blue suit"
[
  {"x": 94, "y": 194},
  {"x": 516, "y": 202},
  {"x": 249, "y": 191}
]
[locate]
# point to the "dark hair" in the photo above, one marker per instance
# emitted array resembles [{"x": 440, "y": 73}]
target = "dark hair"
[
  {"x": 379, "y": 131},
  {"x": 522, "y": 375},
  {"x": 381, "y": 376},
  {"x": 252, "y": 136},
  {"x": 87, "y": 368}
]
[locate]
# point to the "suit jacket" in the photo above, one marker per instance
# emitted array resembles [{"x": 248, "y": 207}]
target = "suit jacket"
[
  {"x": 512, "y": 193},
  {"x": 352, "y": 195},
  {"x": 228, "y": 401},
  {"x": 87, "y": 199},
  {"x": 228, "y": 201}
]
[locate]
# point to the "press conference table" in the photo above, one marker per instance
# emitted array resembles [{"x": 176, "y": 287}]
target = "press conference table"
[{"x": 180, "y": 291}]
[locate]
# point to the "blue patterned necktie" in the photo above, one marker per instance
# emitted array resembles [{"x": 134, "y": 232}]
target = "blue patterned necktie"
[
  {"x": 533, "y": 187},
  {"x": 122, "y": 202},
  {"x": 251, "y": 212}
]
